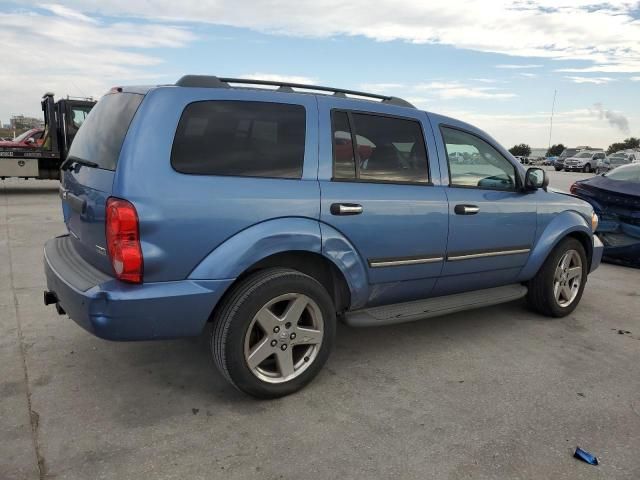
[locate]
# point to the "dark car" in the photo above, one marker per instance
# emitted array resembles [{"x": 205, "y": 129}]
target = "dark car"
[{"x": 615, "y": 197}]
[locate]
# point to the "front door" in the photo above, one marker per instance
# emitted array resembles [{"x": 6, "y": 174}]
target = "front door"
[
  {"x": 492, "y": 221},
  {"x": 379, "y": 195}
]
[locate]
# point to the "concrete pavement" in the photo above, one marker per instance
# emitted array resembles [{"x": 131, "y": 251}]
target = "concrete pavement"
[{"x": 494, "y": 393}]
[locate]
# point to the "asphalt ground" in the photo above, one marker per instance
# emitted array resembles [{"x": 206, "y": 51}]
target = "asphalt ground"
[{"x": 499, "y": 392}]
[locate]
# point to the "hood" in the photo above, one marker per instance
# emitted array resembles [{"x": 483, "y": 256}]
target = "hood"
[{"x": 613, "y": 186}]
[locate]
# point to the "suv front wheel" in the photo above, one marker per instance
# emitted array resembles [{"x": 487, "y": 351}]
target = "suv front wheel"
[
  {"x": 273, "y": 332},
  {"x": 556, "y": 289}
]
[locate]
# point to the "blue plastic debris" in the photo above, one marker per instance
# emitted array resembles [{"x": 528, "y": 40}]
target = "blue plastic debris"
[{"x": 585, "y": 456}]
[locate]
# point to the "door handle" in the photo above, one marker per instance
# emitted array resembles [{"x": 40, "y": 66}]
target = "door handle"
[
  {"x": 346, "y": 209},
  {"x": 466, "y": 209}
]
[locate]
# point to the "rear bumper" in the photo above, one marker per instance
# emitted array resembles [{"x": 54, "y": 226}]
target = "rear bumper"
[{"x": 115, "y": 310}]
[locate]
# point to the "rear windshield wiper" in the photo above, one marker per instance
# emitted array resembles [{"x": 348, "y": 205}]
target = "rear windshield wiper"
[{"x": 66, "y": 165}]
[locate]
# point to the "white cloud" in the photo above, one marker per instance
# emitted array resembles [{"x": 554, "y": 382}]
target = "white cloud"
[
  {"x": 571, "y": 127},
  {"x": 62, "y": 11},
  {"x": 593, "y": 80},
  {"x": 635, "y": 79},
  {"x": 528, "y": 74},
  {"x": 70, "y": 53},
  {"x": 455, "y": 90},
  {"x": 517, "y": 67},
  {"x": 443, "y": 90},
  {"x": 604, "y": 33}
]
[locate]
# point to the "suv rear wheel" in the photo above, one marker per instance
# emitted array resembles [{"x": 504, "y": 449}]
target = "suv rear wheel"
[
  {"x": 274, "y": 332},
  {"x": 556, "y": 289}
]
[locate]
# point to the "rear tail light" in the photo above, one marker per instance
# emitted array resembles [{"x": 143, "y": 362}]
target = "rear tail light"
[
  {"x": 574, "y": 188},
  {"x": 123, "y": 240}
]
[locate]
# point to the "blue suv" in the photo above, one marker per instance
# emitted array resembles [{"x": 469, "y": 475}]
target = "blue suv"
[{"x": 272, "y": 209}]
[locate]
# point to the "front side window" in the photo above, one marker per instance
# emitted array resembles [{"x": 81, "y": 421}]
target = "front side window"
[
  {"x": 475, "y": 163},
  {"x": 386, "y": 149},
  {"x": 238, "y": 138}
]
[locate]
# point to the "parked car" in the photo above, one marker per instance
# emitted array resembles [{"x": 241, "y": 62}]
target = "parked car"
[
  {"x": 615, "y": 196},
  {"x": 571, "y": 153},
  {"x": 584, "y": 161},
  {"x": 206, "y": 201},
  {"x": 30, "y": 138},
  {"x": 615, "y": 160}
]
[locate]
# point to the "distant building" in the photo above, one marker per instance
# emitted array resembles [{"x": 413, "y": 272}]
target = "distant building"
[
  {"x": 20, "y": 122},
  {"x": 538, "y": 152}
]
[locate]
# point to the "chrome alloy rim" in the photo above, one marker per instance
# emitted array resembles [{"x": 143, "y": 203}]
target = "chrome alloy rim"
[
  {"x": 284, "y": 338},
  {"x": 567, "y": 279}
]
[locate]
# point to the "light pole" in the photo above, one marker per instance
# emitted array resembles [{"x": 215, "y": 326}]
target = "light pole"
[{"x": 553, "y": 106}]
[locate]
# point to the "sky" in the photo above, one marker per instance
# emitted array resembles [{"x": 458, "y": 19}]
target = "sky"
[{"x": 495, "y": 64}]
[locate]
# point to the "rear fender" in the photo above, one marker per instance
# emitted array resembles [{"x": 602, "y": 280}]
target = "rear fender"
[
  {"x": 238, "y": 253},
  {"x": 563, "y": 224}
]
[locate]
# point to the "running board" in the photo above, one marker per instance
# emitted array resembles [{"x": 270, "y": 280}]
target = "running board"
[{"x": 433, "y": 307}]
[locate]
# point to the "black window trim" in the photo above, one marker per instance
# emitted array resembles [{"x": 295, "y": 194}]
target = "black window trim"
[
  {"x": 519, "y": 180},
  {"x": 296, "y": 179},
  {"x": 356, "y": 156}
]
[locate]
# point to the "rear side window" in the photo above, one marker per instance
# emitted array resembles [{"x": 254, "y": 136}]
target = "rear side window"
[
  {"x": 103, "y": 131},
  {"x": 376, "y": 148},
  {"x": 237, "y": 138}
]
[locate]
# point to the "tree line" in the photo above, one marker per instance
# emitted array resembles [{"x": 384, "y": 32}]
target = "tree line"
[{"x": 524, "y": 150}]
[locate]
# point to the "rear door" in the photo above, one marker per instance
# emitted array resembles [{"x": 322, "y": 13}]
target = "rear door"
[
  {"x": 377, "y": 190},
  {"x": 492, "y": 221},
  {"x": 85, "y": 189}
]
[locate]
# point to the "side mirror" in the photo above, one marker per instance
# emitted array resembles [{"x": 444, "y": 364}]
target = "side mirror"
[
  {"x": 30, "y": 141},
  {"x": 536, "y": 178}
]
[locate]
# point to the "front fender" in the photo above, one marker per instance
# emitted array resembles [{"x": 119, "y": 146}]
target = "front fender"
[{"x": 562, "y": 225}]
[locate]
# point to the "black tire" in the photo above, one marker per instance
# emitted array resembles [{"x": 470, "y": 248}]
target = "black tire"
[
  {"x": 236, "y": 313},
  {"x": 541, "y": 296},
  {"x": 587, "y": 168},
  {"x": 558, "y": 169}
]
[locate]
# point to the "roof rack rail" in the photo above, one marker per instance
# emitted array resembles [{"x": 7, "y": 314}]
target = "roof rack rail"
[{"x": 210, "y": 81}]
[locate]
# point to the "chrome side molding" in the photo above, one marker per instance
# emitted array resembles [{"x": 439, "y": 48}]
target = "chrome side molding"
[
  {"x": 383, "y": 262},
  {"x": 400, "y": 261},
  {"x": 497, "y": 253}
]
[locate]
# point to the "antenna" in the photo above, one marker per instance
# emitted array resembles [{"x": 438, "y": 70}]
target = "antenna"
[
  {"x": 553, "y": 106},
  {"x": 77, "y": 88}
]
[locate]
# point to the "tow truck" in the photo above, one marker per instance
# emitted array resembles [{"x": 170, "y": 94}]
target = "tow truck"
[{"x": 42, "y": 157}]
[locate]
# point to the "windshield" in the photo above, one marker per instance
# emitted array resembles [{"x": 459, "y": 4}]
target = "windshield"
[
  {"x": 628, "y": 173},
  {"x": 584, "y": 155},
  {"x": 618, "y": 155},
  {"x": 568, "y": 152}
]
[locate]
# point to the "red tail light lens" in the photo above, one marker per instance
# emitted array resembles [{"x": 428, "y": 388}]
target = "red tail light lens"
[
  {"x": 123, "y": 240},
  {"x": 574, "y": 188}
]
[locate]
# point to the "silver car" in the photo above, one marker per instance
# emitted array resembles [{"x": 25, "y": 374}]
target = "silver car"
[
  {"x": 585, "y": 161},
  {"x": 615, "y": 160}
]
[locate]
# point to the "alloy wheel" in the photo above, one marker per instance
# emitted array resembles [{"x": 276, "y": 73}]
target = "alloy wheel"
[
  {"x": 284, "y": 338},
  {"x": 567, "y": 278}
]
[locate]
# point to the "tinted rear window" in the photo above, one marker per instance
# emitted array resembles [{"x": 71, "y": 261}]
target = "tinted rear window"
[
  {"x": 252, "y": 139},
  {"x": 102, "y": 133}
]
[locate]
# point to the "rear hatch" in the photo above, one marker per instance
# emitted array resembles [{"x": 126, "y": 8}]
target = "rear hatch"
[{"x": 88, "y": 173}]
